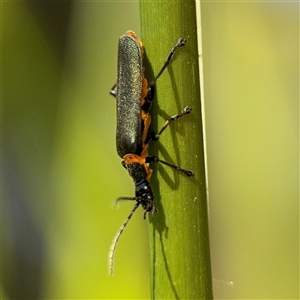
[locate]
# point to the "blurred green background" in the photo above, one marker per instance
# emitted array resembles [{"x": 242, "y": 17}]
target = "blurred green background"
[{"x": 61, "y": 173}]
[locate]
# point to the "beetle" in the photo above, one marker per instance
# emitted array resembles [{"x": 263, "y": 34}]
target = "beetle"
[{"x": 134, "y": 96}]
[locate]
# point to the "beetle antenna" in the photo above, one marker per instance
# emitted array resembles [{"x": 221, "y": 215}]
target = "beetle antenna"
[
  {"x": 116, "y": 239},
  {"x": 124, "y": 198}
]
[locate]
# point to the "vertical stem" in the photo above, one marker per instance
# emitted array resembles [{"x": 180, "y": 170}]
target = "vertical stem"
[{"x": 180, "y": 256}]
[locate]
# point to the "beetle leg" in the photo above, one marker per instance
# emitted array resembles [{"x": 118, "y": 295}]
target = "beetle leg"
[
  {"x": 188, "y": 173},
  {"x": 113, "y": 90},
  {"x": 155, "y": 137}
]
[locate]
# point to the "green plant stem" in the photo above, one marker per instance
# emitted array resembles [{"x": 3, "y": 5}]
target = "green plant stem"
[{"x": 180, "y": 256}]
